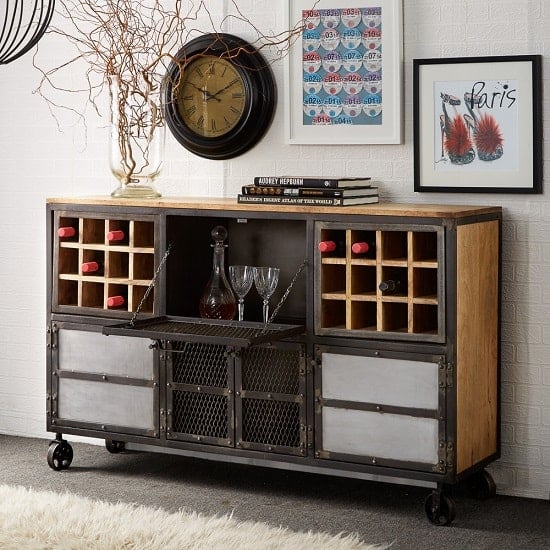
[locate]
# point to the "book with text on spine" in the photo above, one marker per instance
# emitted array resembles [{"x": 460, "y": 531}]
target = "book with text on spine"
[
  {"x": 276, "y": 190},
  {"x": 299, "y": 181},
  {"x": 306, "y": 201}
]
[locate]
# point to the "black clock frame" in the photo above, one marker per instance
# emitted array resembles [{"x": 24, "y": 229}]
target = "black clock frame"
[{"x": 260, "y": 102}]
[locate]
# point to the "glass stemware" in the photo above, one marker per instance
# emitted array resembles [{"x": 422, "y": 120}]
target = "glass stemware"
[
  {"x": 241, "y": 277},
  {"x": 266, "y": 279}
]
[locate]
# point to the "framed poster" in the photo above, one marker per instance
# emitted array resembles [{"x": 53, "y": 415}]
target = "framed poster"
[
  {"x": 344, "y": 72},
  {"x": 478, "y": 124}
]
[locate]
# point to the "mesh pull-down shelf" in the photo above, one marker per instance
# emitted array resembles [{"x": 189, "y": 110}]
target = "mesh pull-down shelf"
[{"x": 190, "y": 329}]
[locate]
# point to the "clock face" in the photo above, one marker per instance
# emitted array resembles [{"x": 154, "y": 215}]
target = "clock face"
[
  {"x": 220, "y": 96},
  {"x": 212, "y": 96}
]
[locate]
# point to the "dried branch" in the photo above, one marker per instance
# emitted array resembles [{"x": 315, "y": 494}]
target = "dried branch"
[{"x": 132, "y": 43}]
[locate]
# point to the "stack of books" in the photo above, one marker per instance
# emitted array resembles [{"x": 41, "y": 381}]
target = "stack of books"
[{"x": 311, "y": 191}]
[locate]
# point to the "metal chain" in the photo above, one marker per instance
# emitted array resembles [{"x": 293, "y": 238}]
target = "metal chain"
[
  {"x": 287, "y": 292},
  {"x": 151, "y": 285}
]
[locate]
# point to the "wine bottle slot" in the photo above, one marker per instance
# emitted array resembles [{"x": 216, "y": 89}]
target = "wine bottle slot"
[
  {"x": 65, "y": 232},
  {"x": 115, "y": 235},
  {"x": 115, "y": 301}
]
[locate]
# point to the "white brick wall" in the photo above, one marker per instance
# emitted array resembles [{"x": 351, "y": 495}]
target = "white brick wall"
[{"x": 38, "y": 161}]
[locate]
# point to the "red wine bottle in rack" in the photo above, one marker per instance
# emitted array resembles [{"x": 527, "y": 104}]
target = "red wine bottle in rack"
[
  {"x": 336, "y": 248},
  {"x": 92, "y": 268},
  {"x": 363, "y": 247},
  {"x": 115, "y": 301},
  {"x": 116, "y": 235},
  {"x": 66, "y": 232}
]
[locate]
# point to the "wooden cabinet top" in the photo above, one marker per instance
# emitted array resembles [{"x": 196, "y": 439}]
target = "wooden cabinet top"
[{"x": 231, "y": 204}]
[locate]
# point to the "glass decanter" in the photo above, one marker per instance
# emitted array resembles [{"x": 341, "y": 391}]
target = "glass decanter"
[{"x": 217, "y": 300}]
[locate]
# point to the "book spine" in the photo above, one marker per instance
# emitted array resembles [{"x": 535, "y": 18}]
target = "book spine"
[
  {"x": 277, "y": 190},
  {"x": 279, "y": 199},
  {"x": 296, "y": 182}
]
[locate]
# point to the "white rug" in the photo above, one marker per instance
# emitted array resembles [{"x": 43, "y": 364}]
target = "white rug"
[{"x": 32, "y": 520}]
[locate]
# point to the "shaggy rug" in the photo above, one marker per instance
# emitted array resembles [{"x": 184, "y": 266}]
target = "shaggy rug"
[{"x": 32, "y": 520}]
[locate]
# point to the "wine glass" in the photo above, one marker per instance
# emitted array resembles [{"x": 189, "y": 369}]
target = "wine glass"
[
  {"x": 266, "y": 279},
  {"x": 241, "y": 277}
]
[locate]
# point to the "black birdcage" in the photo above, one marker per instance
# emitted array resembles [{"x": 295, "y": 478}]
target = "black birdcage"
[{"x": 22, "y": 24}]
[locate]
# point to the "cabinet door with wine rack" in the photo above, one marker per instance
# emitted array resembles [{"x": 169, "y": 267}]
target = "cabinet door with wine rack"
[
  {"x": 380, "y": 281},
  {"x": 103, "y": 264}
]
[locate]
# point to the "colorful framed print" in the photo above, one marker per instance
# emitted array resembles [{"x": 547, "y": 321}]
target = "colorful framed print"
[
  {"x": 344, "y": 72},
  {"x": 478, "y": 124}
]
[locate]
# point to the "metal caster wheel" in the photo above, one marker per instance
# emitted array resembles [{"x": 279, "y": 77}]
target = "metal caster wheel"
[
  {"x": 440, "y": 508},
  {"x": 481, "y": 485},
  {"x": 114, "y": 446},
  {"x": 60, "y": 455}
]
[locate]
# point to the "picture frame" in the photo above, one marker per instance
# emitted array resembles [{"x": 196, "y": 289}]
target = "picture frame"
[
  {"x": 345, "y": 72},
  {"x": 478, "y": 124}
]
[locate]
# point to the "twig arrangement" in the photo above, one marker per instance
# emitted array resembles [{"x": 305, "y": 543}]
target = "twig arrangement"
[{"x": 132, "y": 42}]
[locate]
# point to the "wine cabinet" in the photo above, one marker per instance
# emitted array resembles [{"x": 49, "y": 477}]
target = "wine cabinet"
[{"x": 382, "y": 362}]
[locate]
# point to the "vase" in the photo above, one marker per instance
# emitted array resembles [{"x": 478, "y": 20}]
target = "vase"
[{"x": 138, "y": 133}]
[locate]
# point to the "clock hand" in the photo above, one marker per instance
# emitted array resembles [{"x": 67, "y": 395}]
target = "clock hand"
[
  {"x": 206, "y": 95},
  {"x": 213, "y": 96}
]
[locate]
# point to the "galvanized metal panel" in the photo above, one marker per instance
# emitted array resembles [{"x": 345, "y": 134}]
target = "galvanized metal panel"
[
  {"x": 104, "y": 403},
  {"x": 372, "y": 434},
  {"x": 380, "y": 380},
  {"x": 83, "y": 351}
]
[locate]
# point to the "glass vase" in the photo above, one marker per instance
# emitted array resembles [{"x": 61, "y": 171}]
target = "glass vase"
[{"x": 138, "y": 133}]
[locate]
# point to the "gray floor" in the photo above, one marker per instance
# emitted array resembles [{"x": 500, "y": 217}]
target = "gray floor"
[{"x": 377, "y": 512}]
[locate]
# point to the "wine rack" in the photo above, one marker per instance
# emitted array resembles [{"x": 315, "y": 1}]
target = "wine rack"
[
  {"x": 125, "y": 267},
  {"x": 350, "y": 301}
]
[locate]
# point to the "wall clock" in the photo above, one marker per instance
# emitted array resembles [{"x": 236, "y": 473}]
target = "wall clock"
[{"x": 220, "y": 96}]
